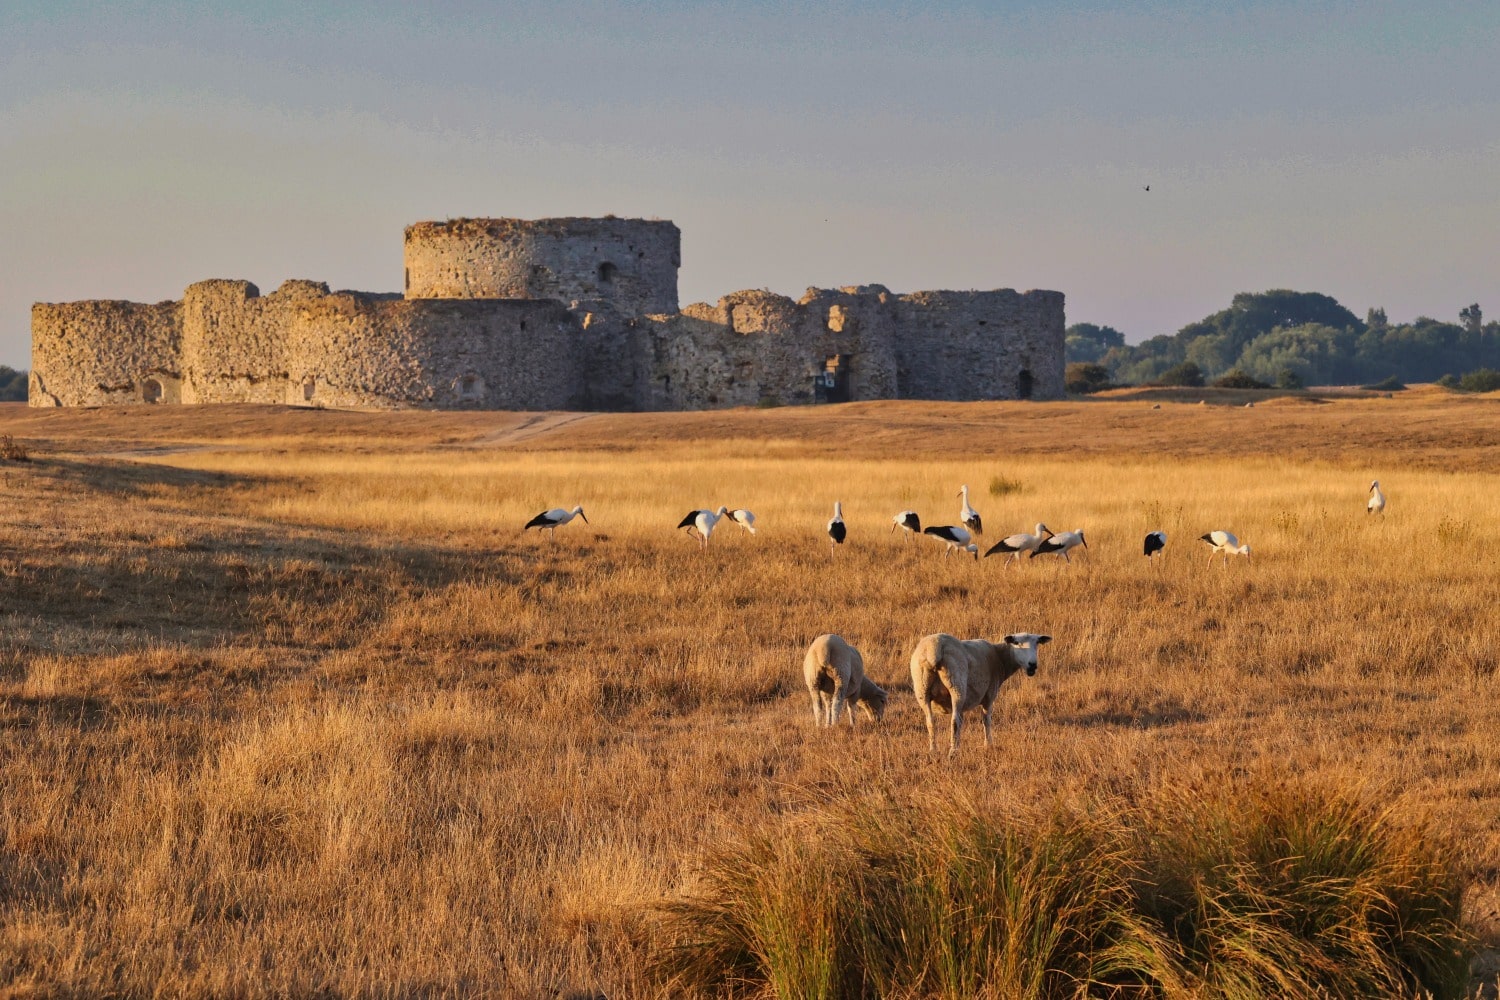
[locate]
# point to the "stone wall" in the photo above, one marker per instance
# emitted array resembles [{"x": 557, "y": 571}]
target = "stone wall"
[
  {"x": 625, "y": 265},
  {"x": 550, "y": 314},
  {"x": 104, "y": 352},
  {"x": 302, "y": 345},
  {"x": 977, "y": 345},
  {"x": 756, "y": 347}
]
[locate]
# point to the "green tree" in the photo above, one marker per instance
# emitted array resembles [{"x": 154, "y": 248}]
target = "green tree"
[
  {"x": 1288, "y": 378},
  {"x": 1472, "y": 317},
  {"x": 1088, "y": 342},
  {"x": 13, "y": 385},
  {"x": 1480, "y": 380}
]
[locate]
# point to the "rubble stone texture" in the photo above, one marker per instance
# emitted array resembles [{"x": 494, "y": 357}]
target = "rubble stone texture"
[{"x": 543, "y": 315}]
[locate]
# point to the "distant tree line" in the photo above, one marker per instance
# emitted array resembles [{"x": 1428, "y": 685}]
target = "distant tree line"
[
  {"x": 12, "y": 385},
  {"x": 1290, "y": 339}
]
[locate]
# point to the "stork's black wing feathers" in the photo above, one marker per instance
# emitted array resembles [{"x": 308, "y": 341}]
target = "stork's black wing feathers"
[
  {"x": 692, "y": 516},
  {"x": 540, "y": 521},
  {"x": 838, "y": 532}
]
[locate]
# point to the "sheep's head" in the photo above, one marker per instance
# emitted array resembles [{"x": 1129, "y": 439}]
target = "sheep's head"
[
  {"x": 1023, "y": 646},
  {"x": 872, "y": 700}
]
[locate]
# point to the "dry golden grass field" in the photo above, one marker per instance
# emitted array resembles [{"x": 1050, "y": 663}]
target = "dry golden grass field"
[{"x": 289, "y": 705}]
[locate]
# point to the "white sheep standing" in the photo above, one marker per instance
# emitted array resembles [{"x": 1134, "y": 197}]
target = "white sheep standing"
[
  {"x": 835, "y": 675},
  {"x": 956, "y": 675}
]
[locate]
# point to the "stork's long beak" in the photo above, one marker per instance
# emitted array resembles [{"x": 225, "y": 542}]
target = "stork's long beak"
[{"x": 584, "y": 516}]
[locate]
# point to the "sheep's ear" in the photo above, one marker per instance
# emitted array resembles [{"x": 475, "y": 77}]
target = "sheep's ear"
[
  {"x": 1011, "y": 639},
  {"x": 1043, "y": 638}
]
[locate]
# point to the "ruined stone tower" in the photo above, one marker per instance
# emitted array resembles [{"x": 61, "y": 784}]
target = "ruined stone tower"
[{"x": 545, "y": 314}]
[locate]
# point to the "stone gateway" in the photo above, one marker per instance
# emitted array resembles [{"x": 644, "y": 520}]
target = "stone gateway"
[{"x": 548, "y": 314}]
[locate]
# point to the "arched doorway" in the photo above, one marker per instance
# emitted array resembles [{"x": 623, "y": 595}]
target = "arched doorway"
[
  {"x": 1025, "y": 384},
  {"x": 151, "y": 391}
]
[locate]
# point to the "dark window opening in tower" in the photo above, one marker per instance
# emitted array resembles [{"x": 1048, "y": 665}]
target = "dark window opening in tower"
[
  {"x": 151, "y": 391},
  {"x": 309, "y": 387},
  {"x": 1024, "y": 384},
  {"x": 408, "y": 279},
  {"x": 469, "y": 387},
  {"x": 607, "y": 273}
]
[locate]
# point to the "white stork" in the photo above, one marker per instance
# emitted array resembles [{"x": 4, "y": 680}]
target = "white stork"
[
  {"x": 1020, "y": 542},
  {"x": 958, "y": 539},
  {"x": 1224, "y": 542},
  {"x": 1376, "y": 504},
  {"x": 836, "y": 529},
  {"x": 702, "y": 522},
  {"x": 1062, "y": 544},
  {"x": 908, "y": 522},
  {"x": 744, "y": 518},
  {"x": 1155, "y": 542},
  {"x": 555, "y": 518},
  {"x": 968, "y": 515}
]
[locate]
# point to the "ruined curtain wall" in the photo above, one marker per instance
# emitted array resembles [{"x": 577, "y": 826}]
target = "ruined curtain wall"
[
  {"x": 102, "y": 352},
  {"x": 976, "y": 345},
  {"x": 359, "y": 350}
]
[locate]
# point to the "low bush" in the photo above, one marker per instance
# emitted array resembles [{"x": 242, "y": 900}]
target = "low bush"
[
  {"x": 1227, "y": 890},
  {"x": 1084, "y": 377},
  {"x": 1480, "y": 380},
  {"x": 1186, "y": 374},
  {"x": 1238, "y": 379},
  {"x": 1388, "y": 384},
  {"x": 12, "y": 450}
]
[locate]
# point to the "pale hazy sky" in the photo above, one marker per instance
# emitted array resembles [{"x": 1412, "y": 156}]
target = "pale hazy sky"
[{"x": 1348, "y": 147}]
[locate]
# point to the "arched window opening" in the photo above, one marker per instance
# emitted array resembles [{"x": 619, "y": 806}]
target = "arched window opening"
[
  {"x": 1024, "y": 384},
  {"x": 309, "y": 387},
  {"x": 469, "y": 387},
  {"x": 607, "y": 273},
  {"x": 151, "y": 391}
]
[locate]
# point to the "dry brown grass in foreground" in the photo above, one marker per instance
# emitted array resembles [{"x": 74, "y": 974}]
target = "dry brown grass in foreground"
[{"x": 289, "y": 705}]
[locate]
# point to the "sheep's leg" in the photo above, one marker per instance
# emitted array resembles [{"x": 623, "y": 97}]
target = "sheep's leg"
[
  {"x": 926, "y": 704},
  {"x": 817, "y": 706},
  {"x": 840, "y": 696},
  {"x": 953, "y": 734},
  {"x": 988, "y": 726}
]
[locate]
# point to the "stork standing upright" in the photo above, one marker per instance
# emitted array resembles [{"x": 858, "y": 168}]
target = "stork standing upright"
[
  {"x": 1223, "y": 542},
  {"x": 1155, "y": 542},
  {"x": 702, "y": 522},
  {"x": 836, "y": 529},
  {"x": 1376, "y": 503},
  {"x": 958, "y": 539},
  {"x": 968, "y": 515},
  {"x": 1020, "y": 542},
  {"x": 555, "y": 518},
  {"x": 909, "y": 523}
]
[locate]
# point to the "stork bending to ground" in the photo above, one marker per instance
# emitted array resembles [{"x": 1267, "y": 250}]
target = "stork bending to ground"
[
  {"x": 1155, "y": 542},
  {"x": 554, "y": 519},
  {"x": 702, "y": 522},
  {"x": 1021, "y": 542},
  {"x": 968, "y": 515},
  {"x": 836, "y": 529},
  {"x": 1376, "y": 503},
  {"x": 1225, "y": 543},
  {"x": 958, "y": 539},
  {"x": 908, "y": 522},
  {"x": 744, "y": 518},
  {"x": 1062, "y": 544}
]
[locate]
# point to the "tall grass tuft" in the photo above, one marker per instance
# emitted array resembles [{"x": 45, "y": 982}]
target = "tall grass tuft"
[{"x": 1247, "y": 891}]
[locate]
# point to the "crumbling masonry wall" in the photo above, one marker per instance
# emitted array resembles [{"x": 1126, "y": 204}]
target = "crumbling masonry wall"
[{"x": 546, "y": 314}]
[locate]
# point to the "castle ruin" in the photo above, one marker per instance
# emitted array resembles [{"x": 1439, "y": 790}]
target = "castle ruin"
[{"x": 545, "y": 315}]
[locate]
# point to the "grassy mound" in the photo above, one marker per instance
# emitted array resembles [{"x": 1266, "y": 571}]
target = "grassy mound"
[{"x": 1245, "y": 890}]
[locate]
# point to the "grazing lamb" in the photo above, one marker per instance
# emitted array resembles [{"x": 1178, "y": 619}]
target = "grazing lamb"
[
  {"x": 955, "y": 675},
  {"x": 835, "y": 675}
]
